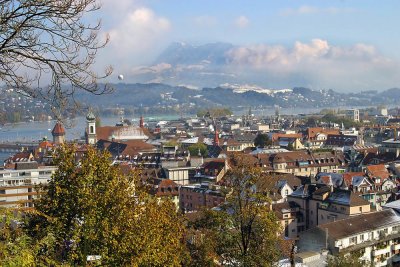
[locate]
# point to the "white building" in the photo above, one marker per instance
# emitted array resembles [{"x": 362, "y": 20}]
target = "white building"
[
  {"x": 373, "y": 237},
  {"x": 17, "y": 187},
  {"x": 353, "y": 114}
]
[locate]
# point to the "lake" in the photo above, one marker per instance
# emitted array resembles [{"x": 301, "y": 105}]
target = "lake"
[{"x": 75, "y": 129}]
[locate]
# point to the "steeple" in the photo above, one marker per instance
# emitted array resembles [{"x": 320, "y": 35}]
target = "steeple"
[
  {"x": 91, "y": 138},
  {"x": 141, "y": 122},
  {"x": 216, "y": 137},
  {"x": 58, "y": 133}
]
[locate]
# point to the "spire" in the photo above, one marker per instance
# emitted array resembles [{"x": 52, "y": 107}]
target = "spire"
[
  {"x": 216, "y": 137},
  {"x": 58, "y": 133},
  {"x": 141, "y": 122}
]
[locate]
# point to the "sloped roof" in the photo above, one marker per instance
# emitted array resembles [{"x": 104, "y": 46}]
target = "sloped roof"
[
  {"x": 378, "y": 171},
  {"x": 106, "y": 132},
  {"x": 46, "y": 144},
  {"x": 348, "y": 177},
  {"x": 313, "y": 131},
  {"x": 58, "y": 129},
  {"x": 359, "y": 224},
  {"x": 347, "y": 198}
]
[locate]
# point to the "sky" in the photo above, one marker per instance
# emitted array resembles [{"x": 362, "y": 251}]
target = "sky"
[{"x": 339, "y": 44}]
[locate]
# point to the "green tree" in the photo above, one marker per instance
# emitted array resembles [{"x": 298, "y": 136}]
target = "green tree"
[
  {"x": 262, "y": 140},
  {"x": 214, "y": 112},
  {"x": 195, "y": 148},
  {"x": 91, "y": 208},
  {"x": 243, "y": 231}
]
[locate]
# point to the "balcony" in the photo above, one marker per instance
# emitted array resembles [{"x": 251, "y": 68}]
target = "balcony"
[{"x": 378, "y": 252}]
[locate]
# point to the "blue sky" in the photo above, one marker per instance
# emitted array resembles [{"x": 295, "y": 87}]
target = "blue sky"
[{"x": 365, "y": 31}]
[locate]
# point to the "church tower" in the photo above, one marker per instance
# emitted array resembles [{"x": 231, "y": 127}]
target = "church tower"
[
  {"x": 58, "y": 133},
  {"x": 91, "y": 128},
  {"x": 141, "y": 122}
]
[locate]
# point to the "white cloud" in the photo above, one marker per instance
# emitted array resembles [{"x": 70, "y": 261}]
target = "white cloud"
[
  {"x": 139, "y": 31},
  {"x": 317, "y": 62},
  {"x": 159, "y": 68},
  {"x": 242, "y": 22},
  {"x": 307, "y": 10}
]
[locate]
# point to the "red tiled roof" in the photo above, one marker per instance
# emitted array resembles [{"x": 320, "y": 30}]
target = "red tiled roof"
[
  {"x": 312, "y": 132},
  {"x": 277, "y": 136},
  {"x": 348, "y": 177},
  {"x": 167, "y": 187},
  {"x": 378, "y": 171},
  {"x": 58, "y": 129},
  {"x": 46, "y": 144}
]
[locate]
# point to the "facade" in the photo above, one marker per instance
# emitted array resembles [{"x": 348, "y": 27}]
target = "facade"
[
  {"x": 58, "y": 133},
  {"x": 211, "y": 171},
  {"x": 302, "y": 163},
  {"x": 319, "y": 204},
  {"x": 91, "y": 138},
  {"x": 286, "y": 213},
  {"x": 197, "y": 196},
  {"x": 374, "y": 237},
  {"x": 180, "y": 175},
  {"x": 353, "y": 114},
  {"x": 17, "y": 185},
  {"x": 315, "y": 137}
]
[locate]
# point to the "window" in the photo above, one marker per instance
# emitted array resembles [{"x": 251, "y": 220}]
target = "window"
[
  {"x": 360, "y": 209},
  {"x": 353, "y": 240},
  {"x": 91, "y": 129},
  {"x": 362, "y": 237}
]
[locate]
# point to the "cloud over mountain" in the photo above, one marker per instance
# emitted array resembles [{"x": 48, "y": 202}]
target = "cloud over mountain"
[{"x": 316, "y": 64}]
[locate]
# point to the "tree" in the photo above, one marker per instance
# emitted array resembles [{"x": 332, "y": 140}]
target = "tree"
[
  {"x": 196, "y": 148},
  {"x": 262, "y": 140},
  {"x": 50, "y": 40},
  {"x": 214, "y": 112},
  {"x": 243, "y": 231},
  {"x": 91, "y": 208}
]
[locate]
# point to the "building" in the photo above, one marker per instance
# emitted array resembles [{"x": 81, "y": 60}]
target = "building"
[
  {"x": 286, "y": 213},
  {"x": 211, "y": 171},
  {"x": 197, "y": 196},
  {"x": 315, "y": 137},
  {"x": 302, "y": 163},
  {"x": 58, "y": 133},
  {"x": 91, "y": 137},
  {"x": 17, "y": 185},
  {"x": 353, "y": 114},
  {"x": 319, "y": 204},
  {"x": 180, "y": 175},
  {"x": 120, "y": 132},
  {"x": 166, "y": 189},
  {"x": 373, "y": 237}
]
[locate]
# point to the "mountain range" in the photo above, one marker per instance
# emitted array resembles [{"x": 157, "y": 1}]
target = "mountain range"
[{"x": 235, "y": 96}]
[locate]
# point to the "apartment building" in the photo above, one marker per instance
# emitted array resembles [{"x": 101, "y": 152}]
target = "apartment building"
[
  {"x": 319, "y": 204},
  {"x": 17, "y": 186},
  {"x": 373, "y": 237},
  {"x": 302, "y": 163},
  {"x": 197, "y": 196}
]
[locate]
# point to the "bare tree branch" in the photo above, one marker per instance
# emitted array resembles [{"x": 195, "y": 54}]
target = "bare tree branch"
[{"x": 49, "y": 38}]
